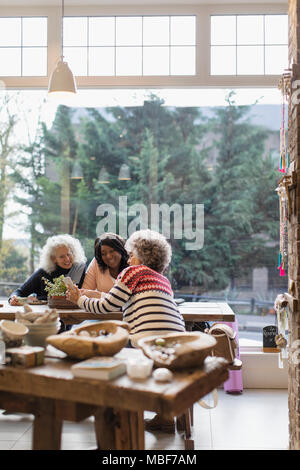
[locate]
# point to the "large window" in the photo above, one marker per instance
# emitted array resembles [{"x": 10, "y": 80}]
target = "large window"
[
  {"x": 23, "y": 46},
  {"x": 131, "y": 45},
  {"x": 168, "y": 152},
  {"x": 249, "y": 44}
]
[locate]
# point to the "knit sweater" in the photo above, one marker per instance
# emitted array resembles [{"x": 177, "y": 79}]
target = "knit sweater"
[{"x": 146, "y": 300}]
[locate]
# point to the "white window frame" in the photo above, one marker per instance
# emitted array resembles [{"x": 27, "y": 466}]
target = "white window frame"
[{"x": 202, "y": 79}]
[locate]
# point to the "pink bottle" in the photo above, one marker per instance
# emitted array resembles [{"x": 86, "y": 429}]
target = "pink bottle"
[{"x": 235, "y": 382}]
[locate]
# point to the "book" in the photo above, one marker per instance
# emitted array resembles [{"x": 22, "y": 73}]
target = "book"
[{"x": 100, "y": 367}]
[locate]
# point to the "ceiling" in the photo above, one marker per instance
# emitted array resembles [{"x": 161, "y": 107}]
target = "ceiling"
[{"x": 134, "y": 2}]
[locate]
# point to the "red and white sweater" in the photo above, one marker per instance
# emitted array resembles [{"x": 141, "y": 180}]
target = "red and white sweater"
[{"x": 146, "y": 299}]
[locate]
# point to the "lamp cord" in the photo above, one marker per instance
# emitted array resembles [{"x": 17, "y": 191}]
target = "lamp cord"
[{"x": 62, "y": 27}]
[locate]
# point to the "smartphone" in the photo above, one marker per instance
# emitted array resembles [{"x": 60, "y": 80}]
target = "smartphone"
[{"x": 68, "y": 282}]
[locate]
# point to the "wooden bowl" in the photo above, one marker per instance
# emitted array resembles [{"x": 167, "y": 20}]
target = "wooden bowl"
[
  {"x": 190, "y": 349},
  {"x": 60, "y": 301},
  {"x": 77, "y": 346}
]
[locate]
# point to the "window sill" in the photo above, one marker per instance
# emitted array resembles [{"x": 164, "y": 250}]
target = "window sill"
[{"x": 261, "y": 369}]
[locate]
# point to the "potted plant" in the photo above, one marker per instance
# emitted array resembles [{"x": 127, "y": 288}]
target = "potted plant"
[{"x": 57, "y": 293}]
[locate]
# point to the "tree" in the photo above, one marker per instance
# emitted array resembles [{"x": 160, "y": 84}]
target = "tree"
[
  {"x": 12, "y": 265},
  {"x": 238, "y": 215},
  {"x": 60, "y": 145},
  {"x": 8, "y": 149}
]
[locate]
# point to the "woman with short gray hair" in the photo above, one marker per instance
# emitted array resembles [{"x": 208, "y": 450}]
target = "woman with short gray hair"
[
  {"x": 151, "y": 248},
  {"x": 143, "y": 294}
]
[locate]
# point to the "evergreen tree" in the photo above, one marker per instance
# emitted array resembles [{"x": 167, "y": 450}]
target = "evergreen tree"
[{"x": 239, "y": 172}]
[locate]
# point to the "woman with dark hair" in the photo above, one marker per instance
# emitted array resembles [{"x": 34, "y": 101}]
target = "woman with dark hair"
[{"x": 110, "y": 259}]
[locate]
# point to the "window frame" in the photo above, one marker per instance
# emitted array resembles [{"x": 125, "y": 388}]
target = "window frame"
[{"x": 201, "y": 79}]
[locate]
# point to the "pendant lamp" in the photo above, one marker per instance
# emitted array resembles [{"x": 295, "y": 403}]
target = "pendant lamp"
[
  {"x": 103, "y": 177},
  {"x": 77, "y": 173},
  {"x": 62, "y": 82},
  {"x": 124, "y": 173}
]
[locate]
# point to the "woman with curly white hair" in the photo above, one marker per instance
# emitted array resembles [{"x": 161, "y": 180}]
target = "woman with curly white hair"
[{"x": 62, "y": 254}]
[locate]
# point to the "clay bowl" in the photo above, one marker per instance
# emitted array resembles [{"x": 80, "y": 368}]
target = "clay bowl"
[
  {"x": 13, "y": 333},
  {"x": 187, "y": 349},
  {"x": 78, "y": 344}
]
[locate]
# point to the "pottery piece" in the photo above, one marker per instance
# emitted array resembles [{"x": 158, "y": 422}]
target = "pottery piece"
[
  {"x": 178, "y": 350},
  {"x": 13, "y": 333},
  {"x": 104, "y": 338}
]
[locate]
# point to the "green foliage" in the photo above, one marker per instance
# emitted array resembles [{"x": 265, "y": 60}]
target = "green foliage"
[
  {"x": 12, "y": 266},
  {"x": 57, "y": 287}
]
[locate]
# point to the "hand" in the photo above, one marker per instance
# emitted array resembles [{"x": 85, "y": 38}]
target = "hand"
[
  {"x": 73, "y": 294},
  {"x": 92, "y": 294},
  {"x": 14, "y": 301}
]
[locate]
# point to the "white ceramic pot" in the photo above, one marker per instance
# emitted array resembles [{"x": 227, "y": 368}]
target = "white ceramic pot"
[{"x": 38, "y": 333}]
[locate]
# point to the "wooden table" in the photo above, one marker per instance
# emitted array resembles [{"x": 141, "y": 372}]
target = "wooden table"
[
  {"x": 191, "y": 311},
  {"x": 52, "y": 394}
]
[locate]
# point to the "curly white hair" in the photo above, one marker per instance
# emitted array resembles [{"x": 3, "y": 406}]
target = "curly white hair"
[
  {"x": 151, "y": 248},
  {"x": 48, "y": 251}
]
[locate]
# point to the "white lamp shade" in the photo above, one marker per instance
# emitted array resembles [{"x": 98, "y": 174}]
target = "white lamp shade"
[
  {"x": 77, "y": 172},
  {"x": 62, "y": 81},
  {"x": 124, "y": 173},
  {"x": 103, "y": 177}
]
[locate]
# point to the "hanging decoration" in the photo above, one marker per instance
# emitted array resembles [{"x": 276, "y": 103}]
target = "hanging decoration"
[
  {"x": 281, "y": 308},
  {"x": 285, "y": 181},
  {"x": 284, "y": 86},
  {"x": 283, "y": 212}
]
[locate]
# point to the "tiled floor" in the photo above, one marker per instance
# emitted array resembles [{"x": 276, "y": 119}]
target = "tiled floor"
[{"x": 257, "y": 419}]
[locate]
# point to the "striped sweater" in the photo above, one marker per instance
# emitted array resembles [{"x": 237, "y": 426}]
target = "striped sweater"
[{"x": 146, "y": 299}]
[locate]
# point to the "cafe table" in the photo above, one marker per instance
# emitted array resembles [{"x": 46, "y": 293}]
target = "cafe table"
[
  {"x": 191, "y": 312},
  {"x": 52, "y": 395}
]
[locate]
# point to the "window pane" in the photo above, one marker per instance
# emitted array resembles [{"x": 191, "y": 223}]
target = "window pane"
[
  {"x": 183, "y": 30},
  {"x": 276, "y": 29},
  {"x": 276, "y": 59},
  {"x": 223, "y": 30},
  {"x": 250, "y": 29},
  {"x": 183, "y": 61},
  {"x": 156, "y": 61},
  {"x": 102, "y": 31},
  {"x": 34, "y": 61},
  {"x": 129, "y": 31},
  {"x": 156, "y": 31},
  {"x": 10, "y": 61},
  {"x": 34, "y": 31},
  {"x": 250, "y": 60},
  {"x": 77, "y": 59},
  {"x": 75, "y": 31},
  {"x": 223, "y": 60},
  {"x": 10, "y": 31},
  {"x": 101, "y": 61},
  {"x": 128, "y": 61}
]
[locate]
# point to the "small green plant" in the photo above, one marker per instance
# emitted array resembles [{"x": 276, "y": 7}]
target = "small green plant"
[{"x": 57, "y": 287}]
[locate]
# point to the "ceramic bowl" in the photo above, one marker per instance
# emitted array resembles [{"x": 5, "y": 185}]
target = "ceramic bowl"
[
  {"x": 139, "y": 368},
  {"x": 178, "y": 350},
  {"x": 38, "y": 332},
  {"x": 13, "y": 333}
]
